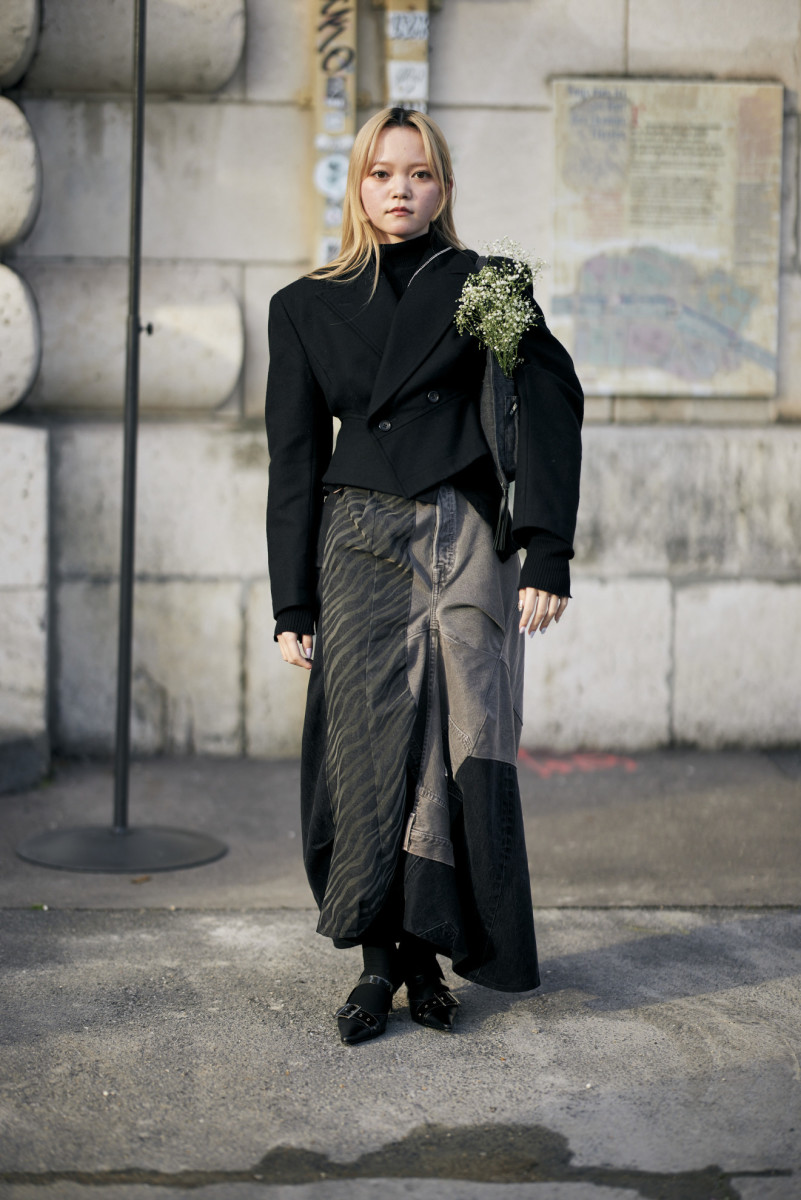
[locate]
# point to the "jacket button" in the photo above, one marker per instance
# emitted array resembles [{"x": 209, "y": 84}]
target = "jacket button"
[
  {"x": 433, "y": 397},
  {"x": 384, "y": 425}
]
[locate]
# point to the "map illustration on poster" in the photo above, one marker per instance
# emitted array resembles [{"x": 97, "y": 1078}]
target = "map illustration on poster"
[{"x": 667, "y": 235}]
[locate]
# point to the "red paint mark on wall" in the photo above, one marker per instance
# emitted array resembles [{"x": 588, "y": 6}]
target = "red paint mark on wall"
[{"x": 545, "y": 765}]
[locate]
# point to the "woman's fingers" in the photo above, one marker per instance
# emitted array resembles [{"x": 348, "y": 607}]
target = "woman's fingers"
[
  {"x": 294, "y": 650},
  {"x": 535, "y": 604},
  {"x": 556, "y": 606},
  {"x": 538, "y": 609},
  {"x": 528, "y": 606}
]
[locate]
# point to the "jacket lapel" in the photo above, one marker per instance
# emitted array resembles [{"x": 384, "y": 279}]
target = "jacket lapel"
[
  {"x": 367, "y": 316},
  {"x": 423, "y": 315}
]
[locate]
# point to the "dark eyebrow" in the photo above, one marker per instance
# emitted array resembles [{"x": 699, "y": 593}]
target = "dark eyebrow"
[{"x": 382, "y": 162}]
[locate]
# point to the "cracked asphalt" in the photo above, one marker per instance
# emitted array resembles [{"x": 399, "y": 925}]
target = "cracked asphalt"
[{"x": 172, "y": 1034}]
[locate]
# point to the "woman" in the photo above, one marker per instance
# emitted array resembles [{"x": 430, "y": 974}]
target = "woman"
[{"x": 412, "y": 826}]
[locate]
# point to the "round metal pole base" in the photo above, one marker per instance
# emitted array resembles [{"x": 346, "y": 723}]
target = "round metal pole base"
[{"x": 125, "y": 851}]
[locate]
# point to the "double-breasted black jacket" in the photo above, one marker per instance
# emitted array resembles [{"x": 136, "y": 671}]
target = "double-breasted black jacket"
[{"x": 408, "y": 404}]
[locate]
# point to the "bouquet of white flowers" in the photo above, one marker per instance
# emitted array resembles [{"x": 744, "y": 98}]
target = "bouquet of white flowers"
[{"x": 494, "y": 307}]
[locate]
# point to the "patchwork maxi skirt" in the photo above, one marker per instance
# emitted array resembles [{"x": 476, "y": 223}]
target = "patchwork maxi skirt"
[{"x": 410, "y": 804}]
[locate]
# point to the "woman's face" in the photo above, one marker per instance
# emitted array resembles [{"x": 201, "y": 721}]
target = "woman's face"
[{"x": 400, "y": 193}]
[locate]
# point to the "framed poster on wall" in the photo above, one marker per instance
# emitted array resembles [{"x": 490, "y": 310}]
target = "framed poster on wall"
[{"x": 667, "y": 235}]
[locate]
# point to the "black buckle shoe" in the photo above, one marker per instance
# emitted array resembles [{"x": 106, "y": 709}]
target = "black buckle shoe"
[
  {"x": 430, "y": 1002},
  {"x": 356, "y": 1023}
]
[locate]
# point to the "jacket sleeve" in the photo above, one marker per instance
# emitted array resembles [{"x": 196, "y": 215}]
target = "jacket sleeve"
[
  {"x": 300, "y": 438},
  {"x": 549, "y": 438},
  {"x": 547, "y": 564}
]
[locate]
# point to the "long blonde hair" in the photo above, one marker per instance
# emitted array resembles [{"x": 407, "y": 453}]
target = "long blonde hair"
[{"x": 359, "y": 241}]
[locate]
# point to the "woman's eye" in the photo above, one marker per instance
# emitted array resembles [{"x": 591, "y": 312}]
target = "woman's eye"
[
  {"x": 379, "y": 174},
  {"x": 423, "y": 174}
]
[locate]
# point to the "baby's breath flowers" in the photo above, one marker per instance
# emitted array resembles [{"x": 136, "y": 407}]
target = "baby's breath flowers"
[{"x": 494, "y": 307}]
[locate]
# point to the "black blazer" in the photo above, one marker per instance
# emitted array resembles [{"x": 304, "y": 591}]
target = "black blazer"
[{"x": 408, "y": 405}]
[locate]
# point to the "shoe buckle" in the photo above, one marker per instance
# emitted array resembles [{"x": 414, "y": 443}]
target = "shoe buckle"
[{"x": 355, "y": 1012}]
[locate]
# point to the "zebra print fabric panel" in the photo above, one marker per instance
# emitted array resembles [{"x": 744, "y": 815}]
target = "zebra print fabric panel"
[{"x": 366, "y": 590}]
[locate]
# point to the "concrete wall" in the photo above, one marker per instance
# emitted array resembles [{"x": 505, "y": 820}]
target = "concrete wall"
[
  {"x": 24, "y": 473},
  {"x": 23, "y": 580},
  {"x": 685, "y": 619}
]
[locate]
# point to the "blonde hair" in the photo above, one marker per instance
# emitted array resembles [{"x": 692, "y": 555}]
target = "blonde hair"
[{"x": 359, "y": 241}]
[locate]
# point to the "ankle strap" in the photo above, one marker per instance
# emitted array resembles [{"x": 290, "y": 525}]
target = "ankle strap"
[{"x": 378, "y": 980}]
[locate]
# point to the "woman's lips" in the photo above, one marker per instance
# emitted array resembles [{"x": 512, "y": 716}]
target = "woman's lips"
[{"x": 400, "y": 212}]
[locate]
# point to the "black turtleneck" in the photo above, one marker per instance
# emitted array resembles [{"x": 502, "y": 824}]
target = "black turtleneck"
[{"x": 400, "y": 260}]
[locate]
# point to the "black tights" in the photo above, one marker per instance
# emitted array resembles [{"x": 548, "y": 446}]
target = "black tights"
[
  {"x": 413, "y": 957},
  {"x": 388, "y": 960},
  {"x": 416, "y": 956}
]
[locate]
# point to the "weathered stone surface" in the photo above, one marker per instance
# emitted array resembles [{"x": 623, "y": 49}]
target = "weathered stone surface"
[
  {"x": 738, "y": 664},
  {"x": 201, "y": 492},
  {"x": 85, "y": 150},
  {"x": 260, "y": 284},
  {"x": 693, "y": 410},
  {"x": 192, "y": 362},
  {"x": 24, "y": 759},
  {"x": 505, "y": 52},
  {"x": 87, "y": 46},
  {"x": 597, "y": 409},
  {"x": 23, "y": 576},
  {"x": 20, "y": 343},
  {"x": 790, "y": 192},
  {"x": 370, "y": 64},
  {"x": 23, "y": 659},
  {"x": 600, "y": 680},
  {"x": 788, "y": 401},
  {"x": 500, "y": 193},
  {"x": 221, "y": 181},
  {"x": 20, "y": 174},
  {"x": 731, "y": 39},
  {"x": 276, "y": 51},
  {"x": 186, "y": 666},
  {"x": 275, "y": 692},
  {"x": 690, "y": 502},
  {"x": 23, "y": 506},
  {"x": 19, "y": 28}
]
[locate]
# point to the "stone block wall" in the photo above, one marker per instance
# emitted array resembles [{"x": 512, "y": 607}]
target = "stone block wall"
[
  {"x": 684, "y": 625},
  {"x": 24, "y": 593},
  {"x": 20, "y": 196},
  {"x": 686, "y": 621},
  {"x": 23, "y": 580}
]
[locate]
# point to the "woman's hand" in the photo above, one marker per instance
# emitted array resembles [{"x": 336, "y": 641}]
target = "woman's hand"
[
  {"x": 296, "y": 651},
  {"x": 538, "y": 609}
]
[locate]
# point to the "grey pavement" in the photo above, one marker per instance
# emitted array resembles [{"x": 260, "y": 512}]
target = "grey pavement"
[{"x": 172, "y": 1035}]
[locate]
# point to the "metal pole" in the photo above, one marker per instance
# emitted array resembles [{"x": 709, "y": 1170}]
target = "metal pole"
[
  {"x": 118, "y": 848},
  {"x": 125, "y": 638}
]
